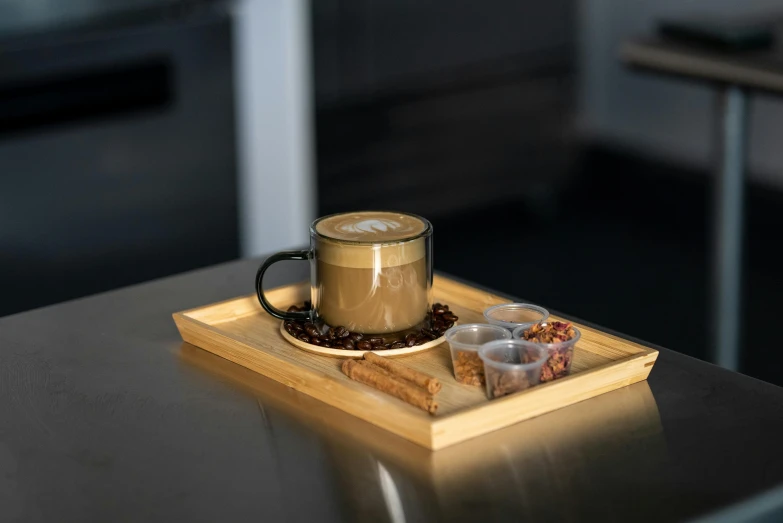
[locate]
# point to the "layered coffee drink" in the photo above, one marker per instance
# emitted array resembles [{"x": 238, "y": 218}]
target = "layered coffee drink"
[{"x": 372, "y": 271}]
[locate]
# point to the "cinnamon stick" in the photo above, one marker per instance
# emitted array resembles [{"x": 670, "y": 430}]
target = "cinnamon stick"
[
  {"x": 432, "y": 385},
  {"x": 369, "y": 374}
]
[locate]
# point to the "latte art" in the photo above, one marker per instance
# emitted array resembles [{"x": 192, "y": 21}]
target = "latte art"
[{"x": 370, "y": 226}]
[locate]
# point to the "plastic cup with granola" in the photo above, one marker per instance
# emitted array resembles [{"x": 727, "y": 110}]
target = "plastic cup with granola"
[
  {"x": 511, "y": 366},
  {"x": 515, "y": 315},
  {"x": 559, "y": 339},
  {"x": 465, "y": 341}
]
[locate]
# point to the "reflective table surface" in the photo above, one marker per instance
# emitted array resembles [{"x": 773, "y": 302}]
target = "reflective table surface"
[{"x": 106, "y": 415}]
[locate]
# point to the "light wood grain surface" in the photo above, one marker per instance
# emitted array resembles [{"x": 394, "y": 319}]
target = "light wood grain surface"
[{"x": 240, "y": 331}]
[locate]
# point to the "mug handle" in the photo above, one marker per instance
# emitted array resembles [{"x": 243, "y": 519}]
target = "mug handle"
[{"x": 268, "y": 307}]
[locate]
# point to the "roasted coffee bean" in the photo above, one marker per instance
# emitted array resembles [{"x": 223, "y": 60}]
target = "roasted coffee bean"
[{"x": 439, "y": 318}]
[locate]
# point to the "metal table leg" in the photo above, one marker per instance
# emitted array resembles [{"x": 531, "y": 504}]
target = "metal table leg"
[{"x": 728, "y": 219}]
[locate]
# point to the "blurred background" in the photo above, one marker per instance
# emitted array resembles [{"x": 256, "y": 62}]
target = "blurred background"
[{"x": 143, "y": 138}]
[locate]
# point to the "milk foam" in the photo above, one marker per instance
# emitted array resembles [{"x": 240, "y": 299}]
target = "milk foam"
[
  {"x": 373, "y": 229},
  {"x": 370, "y": 226}
]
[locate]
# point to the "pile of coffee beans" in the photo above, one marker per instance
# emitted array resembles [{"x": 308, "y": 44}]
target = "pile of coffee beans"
[{"x": 439, "y": 319}]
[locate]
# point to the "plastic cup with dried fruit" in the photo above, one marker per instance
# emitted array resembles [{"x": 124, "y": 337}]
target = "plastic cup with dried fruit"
[
  {"x": 515, "y": 315},
  {"x": 511, "y": 366},
  {"x": 465, "y": 341},
  {"x": 561, "y": 354}
]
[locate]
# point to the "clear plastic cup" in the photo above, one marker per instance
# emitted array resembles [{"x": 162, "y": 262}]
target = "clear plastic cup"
[
  {"x": 515, "y": 315},
  {"x": 561, "y": 354},
  {"x": 511, "y": 366},
  {"x": 465, "y": 341}
]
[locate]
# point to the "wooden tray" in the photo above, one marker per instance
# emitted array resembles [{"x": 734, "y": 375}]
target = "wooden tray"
[
  {"x": 622, "y": 416},
  {"x": 240, "y": 331}
]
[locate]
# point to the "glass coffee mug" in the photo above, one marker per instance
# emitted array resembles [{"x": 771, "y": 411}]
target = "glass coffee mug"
[{"x": 371, "y": 272}]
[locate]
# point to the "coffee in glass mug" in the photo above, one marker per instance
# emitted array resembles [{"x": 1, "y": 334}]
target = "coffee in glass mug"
[{"x": 371, "y": 272}]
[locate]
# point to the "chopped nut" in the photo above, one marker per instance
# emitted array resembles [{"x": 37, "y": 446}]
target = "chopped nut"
[
  {"x": 468, "y": 368},
  {"x": 505, "y": 382},
  {"x": 560, "y": 357}
]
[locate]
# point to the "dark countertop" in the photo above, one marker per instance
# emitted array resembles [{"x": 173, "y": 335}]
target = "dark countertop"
[
  {"x": 105, "y": 415},
  {"x": 760, "y": 70}
]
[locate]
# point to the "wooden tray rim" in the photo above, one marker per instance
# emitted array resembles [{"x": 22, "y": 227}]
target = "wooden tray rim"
[
  {"x": 431, "y": 431},
  {"x": 436, "y": 419}
]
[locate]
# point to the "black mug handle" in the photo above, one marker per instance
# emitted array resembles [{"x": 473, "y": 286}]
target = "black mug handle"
[{"x": 268, "y": 307}]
